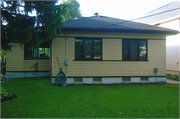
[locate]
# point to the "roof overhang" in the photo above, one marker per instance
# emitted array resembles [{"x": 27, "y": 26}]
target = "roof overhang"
[{"x": 119, "y": 30}]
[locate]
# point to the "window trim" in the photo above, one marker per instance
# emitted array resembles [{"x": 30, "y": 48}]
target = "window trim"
[
  {"x": 83, "y": 57},
  {"x": 36, "y": 58},
  {"x": 138, "y": 49}
]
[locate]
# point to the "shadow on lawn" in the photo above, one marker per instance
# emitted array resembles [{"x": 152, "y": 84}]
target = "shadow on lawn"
[{"x": 12, "y": 96}]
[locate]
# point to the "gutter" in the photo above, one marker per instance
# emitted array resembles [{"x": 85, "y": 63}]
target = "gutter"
[{"x": 78, "y": 30}]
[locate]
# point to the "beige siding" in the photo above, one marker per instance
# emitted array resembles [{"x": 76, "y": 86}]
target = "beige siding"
[
  {"x": 172, "y": 46},
  {"x": 112, "y": 49},
  {"x": 156, "y": 57},
  {"x": 15, "y": 61},
  {"x": 58, "y": 50},
  {"x": 42, "y": 64},
  {"x": 172, "y": 72}
]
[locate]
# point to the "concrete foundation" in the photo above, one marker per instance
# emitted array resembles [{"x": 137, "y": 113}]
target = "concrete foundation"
[
  {"x": 70, "y": 80},
  {"x": 135, "y": 79},
  {"x": 159, "y": 79},
  {"x": 113, "y": 80},
  {"x": 87, "y": 80},
  {"x": 25, "y": 74},
  {"x": 53, "y": 80}
]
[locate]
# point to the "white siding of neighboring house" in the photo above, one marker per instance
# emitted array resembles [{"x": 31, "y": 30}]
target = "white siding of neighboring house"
[{"x": 172, "y": 47}]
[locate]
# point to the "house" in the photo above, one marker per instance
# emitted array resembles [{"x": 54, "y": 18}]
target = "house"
[
  {"x": 169, "y": 18},
  {"x": 97, "y": 50}
]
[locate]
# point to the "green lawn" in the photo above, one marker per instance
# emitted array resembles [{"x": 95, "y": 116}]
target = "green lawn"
[{"x": 37, "y": 98}]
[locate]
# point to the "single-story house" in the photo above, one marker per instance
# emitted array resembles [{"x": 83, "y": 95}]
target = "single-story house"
[
  {"x": 169, "y": 18},
  {"x": 97, "y": 50}
]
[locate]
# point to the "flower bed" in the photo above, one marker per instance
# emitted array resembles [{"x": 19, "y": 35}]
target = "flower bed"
[{"x": 6, "y": 96}]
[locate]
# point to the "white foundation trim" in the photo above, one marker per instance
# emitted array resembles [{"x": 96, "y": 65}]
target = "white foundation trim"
[
  {"x": 111, "y": 80},
  {"x": 135, "y": 79},
  {"x": 87, "y": 80},
  {"x": 25, "y": 74},
  {"x": 70, "y": 80}
]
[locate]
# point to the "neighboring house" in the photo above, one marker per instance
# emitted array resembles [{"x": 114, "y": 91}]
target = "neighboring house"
[
  {"x": 99, "y": 50},
  {"x": 170, "y": 19}
]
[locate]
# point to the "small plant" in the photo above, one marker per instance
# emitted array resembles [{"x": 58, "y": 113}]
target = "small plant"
[
  {"x": 4, "y": 93},
  {"x": 35, "y": 66},
  {"x": 172, "y": 76}
]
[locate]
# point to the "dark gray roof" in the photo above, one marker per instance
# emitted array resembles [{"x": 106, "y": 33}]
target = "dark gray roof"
[
  {"x": 107, "y": 24},
  {"x": 160, "y": 17}
]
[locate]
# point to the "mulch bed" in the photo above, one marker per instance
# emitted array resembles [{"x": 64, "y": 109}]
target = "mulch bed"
[{"x": 9, "y": 98}]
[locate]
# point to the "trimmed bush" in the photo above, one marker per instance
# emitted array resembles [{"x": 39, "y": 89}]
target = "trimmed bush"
[{"x": 172, "y": 76}]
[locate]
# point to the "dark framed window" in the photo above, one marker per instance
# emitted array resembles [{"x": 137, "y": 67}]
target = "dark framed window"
[
  {"x": 134, "y": 49},
  {"x": 41, "y": 52},
  {"x": 88, "y": 49}
]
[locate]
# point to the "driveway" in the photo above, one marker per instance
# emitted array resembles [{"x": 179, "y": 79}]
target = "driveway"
[{"x": 173, "y": 81}]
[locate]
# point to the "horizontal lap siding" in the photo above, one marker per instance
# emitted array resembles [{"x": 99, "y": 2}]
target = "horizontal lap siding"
[
  {"x": 58, "y": 50},
  {"x": 112, "y": 49},
  {"x": 15, "y": 61},
  {"x": 42, "y": 64},
  {"x": 156, "y": 57}
]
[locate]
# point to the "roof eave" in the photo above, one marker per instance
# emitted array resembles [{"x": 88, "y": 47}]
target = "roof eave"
[{"x": 119, "y": 30}]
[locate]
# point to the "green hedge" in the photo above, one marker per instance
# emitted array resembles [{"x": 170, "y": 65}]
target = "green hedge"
[{"x": 172, "y": 77}]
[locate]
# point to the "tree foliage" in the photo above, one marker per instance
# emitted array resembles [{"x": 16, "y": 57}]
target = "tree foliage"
[
  {"x": 72, "y": 10},
  {"x": 18, "y": 26}
]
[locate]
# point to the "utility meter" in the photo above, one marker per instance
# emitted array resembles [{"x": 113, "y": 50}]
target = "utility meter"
[
  {"x": 66, "y": 62},
  {"x": 156, "y": 70}
]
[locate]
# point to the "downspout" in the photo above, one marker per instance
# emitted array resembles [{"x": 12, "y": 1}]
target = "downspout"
[{"x": 66, "y": 55}]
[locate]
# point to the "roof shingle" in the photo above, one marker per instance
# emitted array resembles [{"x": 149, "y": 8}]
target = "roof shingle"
[{"x": 107, "y": 24}]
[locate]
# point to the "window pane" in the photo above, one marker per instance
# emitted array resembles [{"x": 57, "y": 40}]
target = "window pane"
[
  {"x": 47, "y": 52},
  {"x": 41, "y": 50},
  {"x": 37, "y": 52},
  {"x": 125, "y": 49},
  {"x": 78, "y": 48},
  {"x": 97, "y": 49},
  {"x": 134, "y": 49},
  {"x": 142, "y": 50},
  {"x": 88, "y": 49}
]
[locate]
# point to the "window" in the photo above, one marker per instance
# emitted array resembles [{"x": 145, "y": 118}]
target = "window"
[
  {"x": 41, "y": 52},
  {"x": 144, "y": 78},
  {"x": 97, "y": 79},
  {"x": 88, "y": 49},
  {"x": 134, "y": 49},
  {"x": 78, "y": 79},
  {"x": 126, "y": 79}
]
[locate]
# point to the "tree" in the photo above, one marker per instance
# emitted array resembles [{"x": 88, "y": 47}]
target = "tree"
[
  {"x": 72, "y": 10},
  {"x": 18, "y": 26}
]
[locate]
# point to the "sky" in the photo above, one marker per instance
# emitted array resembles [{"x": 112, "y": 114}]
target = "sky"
[{"x": 122, "y": 9}]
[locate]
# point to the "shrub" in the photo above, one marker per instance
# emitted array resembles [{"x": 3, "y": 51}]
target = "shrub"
[
  {"x": 4, "y": 93},
  {"x": 172, "y": 77}
]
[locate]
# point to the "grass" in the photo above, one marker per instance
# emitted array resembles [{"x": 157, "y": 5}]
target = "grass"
[{"x": 39, "y": 99}]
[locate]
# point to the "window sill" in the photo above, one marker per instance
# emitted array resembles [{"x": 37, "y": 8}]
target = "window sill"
[
  {"x": 116, "y": 60},
  {"x": 36, "y": 58}
]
